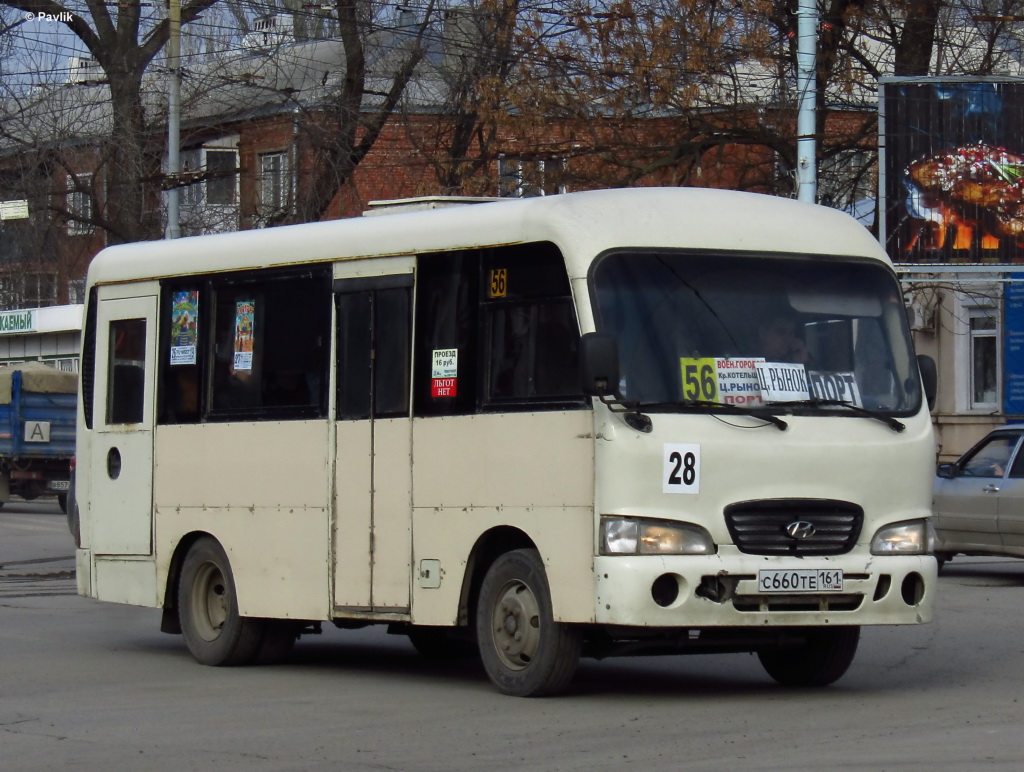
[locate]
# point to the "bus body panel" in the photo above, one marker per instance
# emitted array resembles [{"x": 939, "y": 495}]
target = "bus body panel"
[
  {"x": 130, "y": 579},
  {"x": 540, "y": 459},
  {"x": 392, "y": 507},
  {"x": 119, "y": 484},
  {"x": 280, "y": 464},
  {"x": 262, "y": 490},
  {"x": 562, "y": 535},
  {"x": 854, "y": 459},
  {"x": 352, "y": 531},
  {"x": 581, "y": 224},
  {"x": 531, "y": 471}
]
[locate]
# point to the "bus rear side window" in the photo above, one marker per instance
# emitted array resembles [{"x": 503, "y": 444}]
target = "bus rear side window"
[
  {"x": 271, "y": 341},
  {"x": 126, "y": 371}
]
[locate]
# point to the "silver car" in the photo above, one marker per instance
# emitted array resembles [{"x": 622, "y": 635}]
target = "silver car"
[{"x": 979, "y": 499}]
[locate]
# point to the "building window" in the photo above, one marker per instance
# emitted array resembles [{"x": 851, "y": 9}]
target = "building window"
[
  {"x": 28, "y": 290},
  {"x": 76, "y": 290},
  {"x": 275, "y": 185},
  {"x": 984, "y": 359},
  {"x": 79, "y": 204},
  {"x": 221, "y": 177},
  {"x": 40, "y": 289},
  {"x": 977, "y": 349},
  {"x": 215, "y": 175}
]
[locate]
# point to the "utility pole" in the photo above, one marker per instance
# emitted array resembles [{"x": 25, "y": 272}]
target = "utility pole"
[
  {"x": 174, "y": 119},
  {"x": 806, "y": 122}
]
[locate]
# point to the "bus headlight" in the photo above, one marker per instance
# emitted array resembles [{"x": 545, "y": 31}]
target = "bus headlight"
[
  {"x": 914, "y": 537},
  {"x": 634, "y": 536}
]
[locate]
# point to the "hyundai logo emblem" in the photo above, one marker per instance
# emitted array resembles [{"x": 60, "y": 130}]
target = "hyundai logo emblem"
[{"x": 800, "y": 529}]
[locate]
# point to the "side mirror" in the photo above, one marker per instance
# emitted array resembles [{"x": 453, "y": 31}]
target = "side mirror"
[
  {"x": 929, "y": 377},
  {"x": 599, "y": 364},
  {"x": 949, "y": 471}
]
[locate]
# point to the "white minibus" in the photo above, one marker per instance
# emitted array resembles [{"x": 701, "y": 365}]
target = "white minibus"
[{"x": 586, "y": 425}]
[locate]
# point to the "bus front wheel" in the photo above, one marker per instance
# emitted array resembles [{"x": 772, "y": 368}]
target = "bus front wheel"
[
  {"x": 821, "y": 659},
  {"x": 524, "y": 651},
  {"x": 208, "y": 609}
]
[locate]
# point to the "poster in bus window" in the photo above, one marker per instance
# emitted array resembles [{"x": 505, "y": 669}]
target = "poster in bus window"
[
  {"x": 444, "y": 372},
  {"x": 184, "y": 327},
  {"x": 245, "y": 324}
]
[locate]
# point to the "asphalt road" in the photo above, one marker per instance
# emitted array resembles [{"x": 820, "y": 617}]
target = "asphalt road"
[{"x": 93, "y": 686}]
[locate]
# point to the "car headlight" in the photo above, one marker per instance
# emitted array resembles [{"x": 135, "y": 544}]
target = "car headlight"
[
  {"x": 634, "y": 536},
  {"x": 914, "y": 537}
]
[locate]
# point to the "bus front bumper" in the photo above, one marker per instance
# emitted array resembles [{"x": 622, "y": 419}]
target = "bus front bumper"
[{"x": 748, "y": 590}]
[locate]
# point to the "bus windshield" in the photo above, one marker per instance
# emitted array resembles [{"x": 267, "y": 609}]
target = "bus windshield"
[{"x": 761, "y": 332}]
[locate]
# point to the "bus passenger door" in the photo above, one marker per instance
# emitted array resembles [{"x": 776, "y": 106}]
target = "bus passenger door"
[
  {"x": 121, "y": 476},
  {"x": 373, "y": 484}
]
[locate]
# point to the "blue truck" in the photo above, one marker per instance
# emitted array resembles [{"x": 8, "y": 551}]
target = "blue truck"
[{"x": 38, "y": 406}]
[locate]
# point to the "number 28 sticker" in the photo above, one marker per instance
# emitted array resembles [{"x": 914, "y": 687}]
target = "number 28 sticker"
[{"x": 680, "y": 468}]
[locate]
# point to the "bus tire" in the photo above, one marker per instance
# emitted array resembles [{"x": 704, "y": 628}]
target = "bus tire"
[
  {"x": 524, "y": 651},
  {"x": 823, "y": 657},
  {"x": 214, "y": 631}
]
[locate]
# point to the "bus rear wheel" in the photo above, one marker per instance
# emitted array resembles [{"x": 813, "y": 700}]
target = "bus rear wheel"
[
  {"x": 821, "y": 659},
  {"x": 524, "y": 651},
  {"x": 214, "y": 631}
]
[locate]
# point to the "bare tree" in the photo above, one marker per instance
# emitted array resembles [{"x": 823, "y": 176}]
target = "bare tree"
[{"x": 123, "y": 40}]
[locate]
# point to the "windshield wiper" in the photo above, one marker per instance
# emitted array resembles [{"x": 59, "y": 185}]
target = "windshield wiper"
[
  {"x": 892, "y": 423},
  {"x": 702, "y": 404}
]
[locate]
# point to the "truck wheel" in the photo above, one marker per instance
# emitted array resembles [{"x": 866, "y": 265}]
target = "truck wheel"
[
  {"x": 208, "y": 609},
  {"x": 524, "y": 651},
  {"x": 823, "y": 657},
  {"x": 75, "y": 524},
  {"x": 62, "y": 499}
]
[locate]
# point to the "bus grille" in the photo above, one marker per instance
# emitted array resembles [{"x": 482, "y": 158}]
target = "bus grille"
[{"x": 798, "y": 527}]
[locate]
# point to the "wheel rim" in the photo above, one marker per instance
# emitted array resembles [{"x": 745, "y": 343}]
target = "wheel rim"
[
  {"x": 516, "y": 625},
  {"x": 210, "y": 601}
]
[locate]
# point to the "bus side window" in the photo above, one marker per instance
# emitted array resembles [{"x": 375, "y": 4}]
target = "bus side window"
[
  {"x": 355, "y": 353},
  {"x": 373, "y": 353},
  {"x": 447, "y": 313},
  {"x": 250, "y": 345},
  {"x": 184, "y": 317},
  {"x": 391, "y": 346},
  {"x": 532, "y": 336},
  {"x": 126, "y": 371}
]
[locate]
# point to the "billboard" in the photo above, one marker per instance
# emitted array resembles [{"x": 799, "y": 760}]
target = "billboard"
[{"x": 952, "y": 170}]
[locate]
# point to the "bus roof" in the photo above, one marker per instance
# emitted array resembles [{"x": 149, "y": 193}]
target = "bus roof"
[{"x": 581, "y": 224}]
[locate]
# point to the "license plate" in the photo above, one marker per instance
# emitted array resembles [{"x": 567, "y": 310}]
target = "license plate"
[
  {"x": 796, "y": 580},
  {"x": 59, "y": 485}
]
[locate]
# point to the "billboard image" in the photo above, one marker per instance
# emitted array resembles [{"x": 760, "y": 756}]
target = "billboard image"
[{"x": 953, "y": 170}]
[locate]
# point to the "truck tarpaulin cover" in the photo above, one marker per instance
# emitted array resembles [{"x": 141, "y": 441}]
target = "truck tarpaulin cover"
[
  {"x": 954, "y": 170},
  {"x": 37, "y": 378}
]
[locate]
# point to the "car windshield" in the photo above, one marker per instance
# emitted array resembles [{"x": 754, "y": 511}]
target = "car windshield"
[{"x": 761, "y": 332}]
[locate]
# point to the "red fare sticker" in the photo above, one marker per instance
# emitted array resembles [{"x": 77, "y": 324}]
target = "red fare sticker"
[{"x": 444, "y": 387}]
